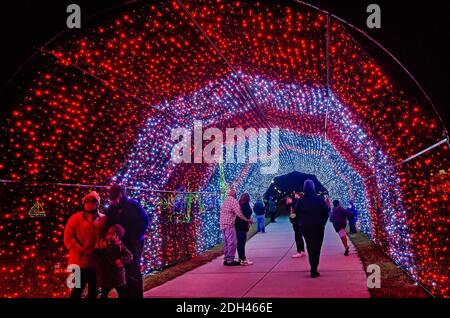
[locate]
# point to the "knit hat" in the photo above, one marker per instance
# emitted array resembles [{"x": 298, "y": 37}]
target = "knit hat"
[
  {"x": 94, "y": 195},
  {"x": 119, "y": 230}
]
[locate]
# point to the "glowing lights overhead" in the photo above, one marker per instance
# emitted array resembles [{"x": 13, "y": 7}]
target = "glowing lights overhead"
[{"x": 99, "y": 108}]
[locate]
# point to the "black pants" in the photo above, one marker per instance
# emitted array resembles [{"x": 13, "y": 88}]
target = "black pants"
[
  {"x": 272, "y": 216},
  {"x": 88, "y": 277},
  {"x": 314, "y": 238},
  {"x": 298, "y": 237},
  {"x": 352, "y": 226},
  {"x": 133, "y": 271},
  {"x": 121, "y": 292},
  {"x": 241, "y": 240}
]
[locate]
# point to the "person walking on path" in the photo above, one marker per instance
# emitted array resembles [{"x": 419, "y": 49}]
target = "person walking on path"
[
  {"x": 339, "y": 217},
  {"x": 131, "y": 216},
  {"x": 242, "y": 228},
  {"x": 260, "y": 212},
  {"x": 272, "y": 209},
  {"x": 352, "y": 221},
  {"x": 296, "y": 227},
  {"x": 312, "y": 215},
  {"x": 82, "y": 231},
  {"x": 230, "y": 210},
  {"x": 327, "y": 201}
]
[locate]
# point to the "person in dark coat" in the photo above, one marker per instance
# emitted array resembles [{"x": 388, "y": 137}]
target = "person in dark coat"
[
  {"x": 352, "y": 221},
  {"x": 112, "y": 257},
  {"x": 131, "y": 216},
  {"x": 327, "y": 201},
  {"x": 291, "y": 203},
  {"x": 260, "y": 212},
  {"x": 272, "y": 209},
  {"x": 339, "y": 217},
  {"x": 242, "y": 228},
  {"x": 312, "y": 215}
]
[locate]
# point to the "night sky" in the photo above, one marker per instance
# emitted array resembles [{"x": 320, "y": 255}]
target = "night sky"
[{"x": 417, "y": 34}]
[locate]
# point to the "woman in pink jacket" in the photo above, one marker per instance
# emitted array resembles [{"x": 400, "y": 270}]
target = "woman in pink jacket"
[{"x": 82, "y": 232}]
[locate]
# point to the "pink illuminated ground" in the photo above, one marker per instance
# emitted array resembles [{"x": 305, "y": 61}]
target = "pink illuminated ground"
[{"x": 275, "y": 273}]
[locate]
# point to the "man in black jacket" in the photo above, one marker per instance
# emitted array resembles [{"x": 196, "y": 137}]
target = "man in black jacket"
[
  {"x": 312, "y": 215},
  {"x": 132, "y": 217}
]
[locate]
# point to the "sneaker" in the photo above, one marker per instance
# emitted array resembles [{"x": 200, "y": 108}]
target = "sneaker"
[
  {"x": 233, "y": 263},
  {"x": 346, "y": 251},
  {"x": 246, "y": 262},
  {"x": 315, "y": 274},
  {"x": 298, "y": 255}
]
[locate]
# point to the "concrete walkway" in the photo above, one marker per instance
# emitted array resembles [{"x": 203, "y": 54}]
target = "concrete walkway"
[{"x": 274, "y": 273}]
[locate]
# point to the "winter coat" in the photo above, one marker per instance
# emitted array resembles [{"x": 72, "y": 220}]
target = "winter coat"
[
  {"x": 311, "y": 210},
  {"x": 132, "y": 217},
  {"x": 353, "y": 210},
  {"x": 240, "y": 224},
  {"x": 259, "y": 208},
  {"x": 80, "y": 236},
  {"x": 339, "y": 217},
  {"x": 111, "y": 275}
]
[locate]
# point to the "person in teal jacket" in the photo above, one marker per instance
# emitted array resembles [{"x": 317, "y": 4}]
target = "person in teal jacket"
[{"x": 272, "y": 209}]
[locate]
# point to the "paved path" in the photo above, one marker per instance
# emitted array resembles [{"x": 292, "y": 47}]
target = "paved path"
[{"x": 275, "y": 273}]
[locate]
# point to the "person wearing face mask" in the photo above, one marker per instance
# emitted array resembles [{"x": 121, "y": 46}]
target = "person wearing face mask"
[{"x": 82, "y": 231}]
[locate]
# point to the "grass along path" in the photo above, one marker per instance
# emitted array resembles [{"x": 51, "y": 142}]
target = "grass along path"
[
  {"x": 160, "y": 277},
  {"x": 395, "y": 283}
]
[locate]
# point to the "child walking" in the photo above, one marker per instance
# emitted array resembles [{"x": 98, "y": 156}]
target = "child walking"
[
  {"x": 113, "y": 256},
  {"x": 339, "y": 217}
]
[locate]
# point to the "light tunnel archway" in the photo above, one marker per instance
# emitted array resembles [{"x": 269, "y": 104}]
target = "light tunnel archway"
[{"x": 101, "y": 106}]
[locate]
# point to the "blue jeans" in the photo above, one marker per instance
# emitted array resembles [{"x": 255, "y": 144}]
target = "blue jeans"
[{"x": 261, "y": 221}]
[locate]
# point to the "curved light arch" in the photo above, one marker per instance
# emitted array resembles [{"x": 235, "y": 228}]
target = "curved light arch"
[{"x": 82, "y": 77}]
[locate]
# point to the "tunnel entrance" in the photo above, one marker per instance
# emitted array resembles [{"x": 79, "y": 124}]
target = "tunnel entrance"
[{"x": 288, "y": 185}]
